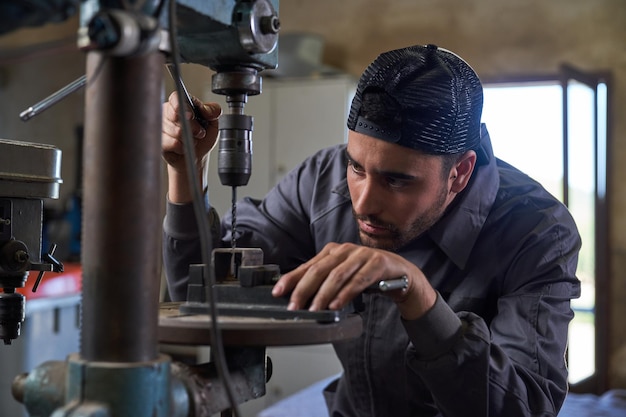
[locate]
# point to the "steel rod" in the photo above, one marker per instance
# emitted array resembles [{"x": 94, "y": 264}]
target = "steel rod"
[{"x": 122, "y": 193}]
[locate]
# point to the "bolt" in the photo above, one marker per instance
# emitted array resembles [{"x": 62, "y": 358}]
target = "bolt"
[
  {"x": 104, "y": 31},
  {"x": 21, "y": 256},
  {"x": 270, "y": 24}
]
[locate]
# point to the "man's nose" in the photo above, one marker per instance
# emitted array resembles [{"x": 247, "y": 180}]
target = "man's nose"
[{"x": 367, "y": 198}]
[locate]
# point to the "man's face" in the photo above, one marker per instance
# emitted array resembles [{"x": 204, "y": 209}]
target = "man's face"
[{"x": 397, "y": 193}]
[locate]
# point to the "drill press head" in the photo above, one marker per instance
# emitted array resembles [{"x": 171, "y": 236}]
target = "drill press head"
[
  {"x": 29, "y": 173},
  {"x": 237, "y": 39}
]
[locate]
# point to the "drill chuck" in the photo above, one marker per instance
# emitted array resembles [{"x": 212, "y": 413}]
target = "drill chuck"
[
  {"x": 11, "y": 315},
  {"x": 234, "y": 158}
]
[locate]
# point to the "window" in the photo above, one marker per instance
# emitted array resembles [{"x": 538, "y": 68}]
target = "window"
[{"x": 554, "y": 129}]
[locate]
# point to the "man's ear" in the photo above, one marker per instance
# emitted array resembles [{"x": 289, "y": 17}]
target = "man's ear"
[{"x": 461, "y": 172}]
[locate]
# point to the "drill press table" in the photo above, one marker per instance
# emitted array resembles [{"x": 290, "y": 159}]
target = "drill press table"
[{"x": 194, "y": 329}]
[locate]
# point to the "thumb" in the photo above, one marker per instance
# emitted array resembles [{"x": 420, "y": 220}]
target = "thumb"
[{"x": 209, "y": 111}]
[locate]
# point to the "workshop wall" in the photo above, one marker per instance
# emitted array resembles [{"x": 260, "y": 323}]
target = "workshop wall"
[{"x": 498, "y": 38}]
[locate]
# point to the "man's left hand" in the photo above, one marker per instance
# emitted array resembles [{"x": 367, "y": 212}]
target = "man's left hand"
[{"x": 340, "y": 272}]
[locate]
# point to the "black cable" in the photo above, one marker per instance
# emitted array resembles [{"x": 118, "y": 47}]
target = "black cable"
[{"x": 217, "y": 346}]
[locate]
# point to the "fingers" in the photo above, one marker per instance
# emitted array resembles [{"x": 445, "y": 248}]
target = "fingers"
[
  {"x": 289, "y": 281},
  {"x": 172, "y": 120},
  {"x": 330, "y": 276},
  {"x": 209, "y": 111},
  {"x": 360, "y": 268},
  {"x": 172, "y": 130},
  {"x": 340, "y": 272},
  {"x": 170, "y": 109},
  {"x": 335, "y": 276},
  {"x": 322, "y": 274}
]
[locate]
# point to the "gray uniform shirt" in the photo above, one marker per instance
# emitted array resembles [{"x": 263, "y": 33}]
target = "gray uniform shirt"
[{"x": 502, "y": 259}]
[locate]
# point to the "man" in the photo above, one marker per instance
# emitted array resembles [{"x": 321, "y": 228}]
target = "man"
[{"x": 489, "y": 255}]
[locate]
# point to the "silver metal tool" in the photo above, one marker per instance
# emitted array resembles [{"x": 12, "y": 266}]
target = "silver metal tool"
[
  {"x": 386, "y": 285},
  {"x": 53, "y": 98}
]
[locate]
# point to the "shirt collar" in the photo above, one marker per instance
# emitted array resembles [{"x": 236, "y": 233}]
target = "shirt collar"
[{"x": 457, "y": 231}]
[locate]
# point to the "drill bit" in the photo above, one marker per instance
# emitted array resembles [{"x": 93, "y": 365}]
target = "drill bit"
[
  {"x": 236, "y": 260},
  {"x": 233, "y": 220}
]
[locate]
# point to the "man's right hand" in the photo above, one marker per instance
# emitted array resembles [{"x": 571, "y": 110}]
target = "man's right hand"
[{"x": 172, "y": 143}]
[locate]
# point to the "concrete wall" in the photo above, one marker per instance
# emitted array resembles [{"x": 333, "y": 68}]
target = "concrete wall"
[{"x": 498, "y": 38}]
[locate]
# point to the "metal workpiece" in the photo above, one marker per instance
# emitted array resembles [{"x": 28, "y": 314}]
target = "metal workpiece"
[
  {"x": 225, "y": 262},
  {"x": 122, "y": 188}
]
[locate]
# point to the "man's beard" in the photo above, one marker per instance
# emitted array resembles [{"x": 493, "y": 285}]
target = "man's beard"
[{"x": 398, "y": 238}]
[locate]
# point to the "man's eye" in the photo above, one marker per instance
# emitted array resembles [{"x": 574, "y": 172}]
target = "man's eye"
[
  {"x": 355, "y": 168},
  {"x": 395, "y": 182}
]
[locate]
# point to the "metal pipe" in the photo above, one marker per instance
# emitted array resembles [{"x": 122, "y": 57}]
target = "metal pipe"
[{"x": 122, "y": 193}]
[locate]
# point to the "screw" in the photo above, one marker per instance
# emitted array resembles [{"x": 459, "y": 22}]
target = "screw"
[{"x": 21, "y": 256}]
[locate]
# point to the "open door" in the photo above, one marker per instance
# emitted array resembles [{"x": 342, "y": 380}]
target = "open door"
[{"x": 585, "y": 116}]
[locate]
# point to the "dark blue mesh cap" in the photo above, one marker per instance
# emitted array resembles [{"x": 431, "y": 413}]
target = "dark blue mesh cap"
[{"x": 421, "y": 97}]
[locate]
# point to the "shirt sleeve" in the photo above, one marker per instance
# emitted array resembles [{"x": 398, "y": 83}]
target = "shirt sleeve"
[{"x": 182, "y": 246}]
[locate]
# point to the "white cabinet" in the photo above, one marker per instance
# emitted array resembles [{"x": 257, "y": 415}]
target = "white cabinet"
[{"x": 293, "y": 118}]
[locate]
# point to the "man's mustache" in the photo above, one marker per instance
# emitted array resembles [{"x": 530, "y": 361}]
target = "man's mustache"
[{"x": 374, "y": 221}]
